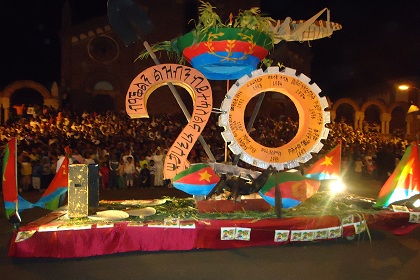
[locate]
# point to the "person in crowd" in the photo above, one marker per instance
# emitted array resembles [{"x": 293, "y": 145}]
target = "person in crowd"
[
  {"x": 149, "y": 157},
  {"x": 33, "y": 155},
  {"x": 20, "y": 109},
  {"x": 76, "y": 156},
  {"x": 152, "y": 172},
  {"x": 36, "y": 175},
  {"x": 370, "y": 167},
  {"x": 100, "y": 155},
  {"x": 143, "y": 161},
  {"x": 55, "y": 159},
  {"x": 158, "y": 163},
  {"x": 358, "y": 168},
  {"x": 61, "y": 158},
  {"x": 129, "y": 170},
  {"x": 46, "y": 171},
  {"x": 119, "y": 135},
  {"x": 26, "y": 172},
  {"x": 88, "y": 159},
  {"x": 104, "y": 172},
  {"x": 126, "y": 155},
  {"x": 137, "y": 171},
  {"x": 114, "y": 167},
  {"x": 121, "y": 175},
  {"x": 145, "y": 177}
]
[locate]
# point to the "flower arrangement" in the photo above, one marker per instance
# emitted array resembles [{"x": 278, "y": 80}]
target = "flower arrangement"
[{"x": 223, "y": 51}]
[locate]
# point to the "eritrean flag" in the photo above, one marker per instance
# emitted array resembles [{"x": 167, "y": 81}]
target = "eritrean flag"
[
  {"x": 404, "y": 182},
  {"x": 59, "y": 185},
  {"x": 327, "y": 167},
  {"x": 294, "y": 188},
  {"x": 198, "y": 179},
  {"x": 12, "y": 200}
]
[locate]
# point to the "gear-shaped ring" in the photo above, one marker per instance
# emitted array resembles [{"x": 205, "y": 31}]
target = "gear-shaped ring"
[{"x": 310, "y": 107}]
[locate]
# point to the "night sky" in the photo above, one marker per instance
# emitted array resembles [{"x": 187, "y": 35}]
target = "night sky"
[
  {"x": 378, "y": 45},
  {"x": 32, "y": 48},
  {"x": 379, "y": 42}
]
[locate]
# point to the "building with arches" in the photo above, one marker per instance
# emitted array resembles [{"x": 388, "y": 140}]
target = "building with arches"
[
  {"x": 49, "y": 97},
  {"x": 386, "y": 119},
  {"x": 97, "y": 68}
]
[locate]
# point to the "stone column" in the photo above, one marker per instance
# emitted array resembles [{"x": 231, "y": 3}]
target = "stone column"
[
  {"x": 385, "y": 120},
  {"x": 358, "y": 120},
  {"x": 53, "y": 102},
  {"x": 5, "y": 101},
  {"x": 410, "y": 118},
  {"x": 333, "y": 113}
]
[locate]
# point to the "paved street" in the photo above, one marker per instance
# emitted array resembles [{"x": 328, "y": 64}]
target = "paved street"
[{"x": 384, "y": 257}]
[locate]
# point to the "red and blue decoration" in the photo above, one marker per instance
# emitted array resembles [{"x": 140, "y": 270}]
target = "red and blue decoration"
[{"x": 225, "y": 53}]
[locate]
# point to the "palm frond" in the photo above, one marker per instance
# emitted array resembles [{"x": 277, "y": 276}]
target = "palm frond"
[
  {"x": 208, "y": 18},
  {"x": 170, "y": 47}
]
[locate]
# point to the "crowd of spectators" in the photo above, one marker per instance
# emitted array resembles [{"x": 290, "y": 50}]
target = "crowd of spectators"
[{"x": 130, "y": 152}]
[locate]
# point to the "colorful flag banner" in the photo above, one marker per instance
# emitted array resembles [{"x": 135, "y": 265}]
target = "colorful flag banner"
[
  {"x": 52, "y": 197},
  {"x": 294, "y": 188},
  {"x": 12, "y": 200},
  {"x": 198, "y": 179},
  {"x": 327, "y": 167},
  {"x": 404, "y": 181}
]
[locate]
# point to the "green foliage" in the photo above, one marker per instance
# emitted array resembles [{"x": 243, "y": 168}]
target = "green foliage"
[
  {"x": 254, "y": 20},
  {"x": 251, "y": 19},
  {"x": 320, "y": 204},
  {"x": 208, "y": 18}
]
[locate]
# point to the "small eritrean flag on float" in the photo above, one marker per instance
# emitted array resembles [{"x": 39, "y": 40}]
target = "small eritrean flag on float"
[
  {"x": 198, "y": 179},
  {"x": 327, "y": 167},
  {"x": 53, "y": 195},
  {"x": 404, "y": 182},
  {"x": 294, "y": 188},
  {"x": 12, "y": 200}
]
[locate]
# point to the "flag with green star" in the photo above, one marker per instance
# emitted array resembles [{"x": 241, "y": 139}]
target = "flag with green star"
[
  {"x": 327, "y": 167},
  {"x": 198, "y": 179}
]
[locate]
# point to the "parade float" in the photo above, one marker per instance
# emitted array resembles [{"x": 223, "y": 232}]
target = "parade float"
[{"x": 229, "y": 206}]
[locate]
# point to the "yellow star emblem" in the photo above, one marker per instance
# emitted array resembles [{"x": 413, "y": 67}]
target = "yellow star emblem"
[
  {"x": 327, "y": 161},
  {"x": 205, "y": 176},
  {"x": 408, "y": 168}
]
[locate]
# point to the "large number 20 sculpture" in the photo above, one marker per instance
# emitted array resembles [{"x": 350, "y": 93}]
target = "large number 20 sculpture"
[{"x": 312, "y": 117}]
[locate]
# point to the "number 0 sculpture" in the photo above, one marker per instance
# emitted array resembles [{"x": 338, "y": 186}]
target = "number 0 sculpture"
[{"x": 312, "y": 118}]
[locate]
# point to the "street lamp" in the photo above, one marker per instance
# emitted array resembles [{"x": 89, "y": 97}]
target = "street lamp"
[{"x": 413, "y": 108}]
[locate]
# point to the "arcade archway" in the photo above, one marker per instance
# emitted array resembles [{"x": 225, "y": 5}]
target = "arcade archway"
[{"x": 32, "y": 91}]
